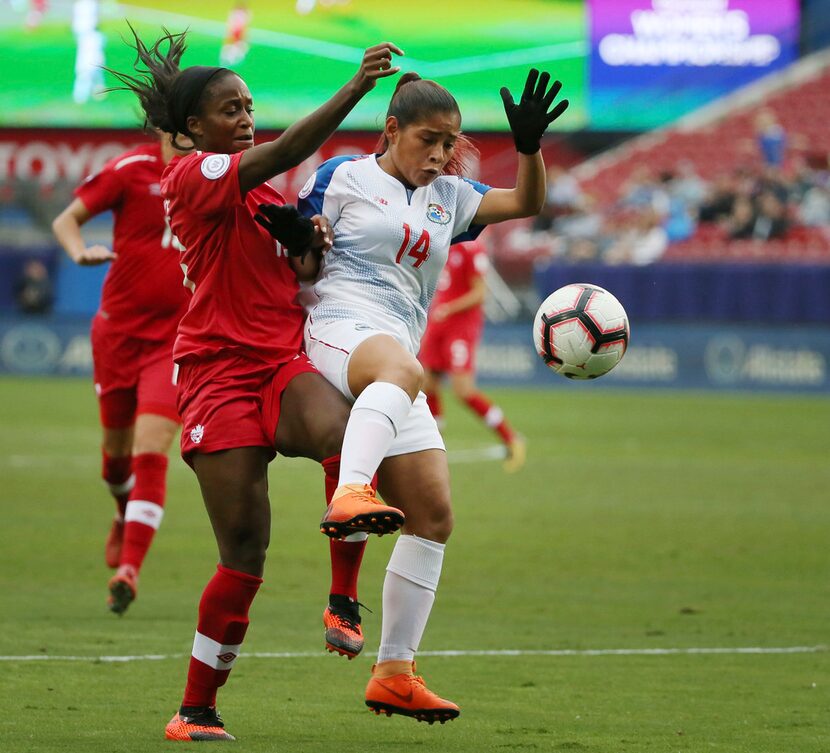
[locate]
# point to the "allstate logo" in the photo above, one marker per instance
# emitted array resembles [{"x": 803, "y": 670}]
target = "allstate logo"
[{"x": 436, "y": 213}]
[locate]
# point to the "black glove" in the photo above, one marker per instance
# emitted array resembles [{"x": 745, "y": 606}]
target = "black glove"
[
  {"x": 529, "y": 119},
  {"x": 293, "y": 230}
]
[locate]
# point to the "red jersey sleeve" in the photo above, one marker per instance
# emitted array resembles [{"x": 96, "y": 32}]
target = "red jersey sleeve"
[
  {"x": 208, "y": 184},
  {"x": 102, "y": 191}
]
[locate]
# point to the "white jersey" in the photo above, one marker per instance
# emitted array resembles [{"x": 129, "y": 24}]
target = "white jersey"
[{"x": 390, "y": 242}]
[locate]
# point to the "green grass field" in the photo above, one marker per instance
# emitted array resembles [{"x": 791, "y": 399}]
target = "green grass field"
[
  {"x": 297, "y": 61},
  {"x": 642, "y": 521}
]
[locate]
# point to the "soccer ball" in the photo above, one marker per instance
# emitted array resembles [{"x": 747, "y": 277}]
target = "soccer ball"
[{"x": 581, "y": 331}]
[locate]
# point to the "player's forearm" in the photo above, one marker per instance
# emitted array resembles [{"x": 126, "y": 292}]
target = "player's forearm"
[
  {"x": 529, "y": 193},
  {"x": 299, "y": 141},
  {"x": 68, "y": 232},
  {"x": 469, "y": 300}
]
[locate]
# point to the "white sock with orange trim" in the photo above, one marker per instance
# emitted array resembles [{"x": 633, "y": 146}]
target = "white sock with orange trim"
[
  {"x": 412, "y": 577},
  {"x": 373, "y": 424}
]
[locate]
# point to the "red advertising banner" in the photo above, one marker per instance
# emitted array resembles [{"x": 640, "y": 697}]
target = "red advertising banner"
[{"x": 48, "y": 157}]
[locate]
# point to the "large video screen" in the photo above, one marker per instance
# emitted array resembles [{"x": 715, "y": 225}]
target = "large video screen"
[
  {"x": 655, "y": 60},
  {"x": 293, "y": 54},
  {"x": 625, "y": 64}
]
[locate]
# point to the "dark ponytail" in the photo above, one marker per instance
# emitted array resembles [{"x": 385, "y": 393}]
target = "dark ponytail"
[
  {"x": 416, "y": 98},
  {"x": 168, "y": 94}
]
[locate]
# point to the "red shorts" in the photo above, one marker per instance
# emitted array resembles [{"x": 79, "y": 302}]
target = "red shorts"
[
  {"x": 450, "y": 349},
  {"x": 232, "y": 401},
  {"x": 132, "y": 376}
]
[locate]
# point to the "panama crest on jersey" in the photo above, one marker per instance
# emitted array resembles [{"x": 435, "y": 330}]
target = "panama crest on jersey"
[{"x": 436, "y": 213}]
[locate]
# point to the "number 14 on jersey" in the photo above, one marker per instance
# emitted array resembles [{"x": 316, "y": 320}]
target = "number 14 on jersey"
[{"x": 418, "y": 251}]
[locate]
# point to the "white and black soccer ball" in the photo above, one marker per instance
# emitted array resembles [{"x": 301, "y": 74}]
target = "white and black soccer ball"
[{"x": 581, "y": 331}]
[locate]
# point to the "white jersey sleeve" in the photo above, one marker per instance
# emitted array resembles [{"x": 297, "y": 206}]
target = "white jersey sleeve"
[{"x": 320, "y": 195}]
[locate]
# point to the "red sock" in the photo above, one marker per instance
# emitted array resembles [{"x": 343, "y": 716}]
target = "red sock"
[
  {"x": 223, "y": 621},
  {"x": 346, "y": 556},
  {"x": 117, "y": 475},
  {"x": 145, "y": 508},
  {"x": 434, "y": 404},
  {"x": 491, "y": 414}
]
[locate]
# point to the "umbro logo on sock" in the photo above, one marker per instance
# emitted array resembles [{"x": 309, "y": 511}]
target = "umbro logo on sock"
[{"x": 227, "y": 657}]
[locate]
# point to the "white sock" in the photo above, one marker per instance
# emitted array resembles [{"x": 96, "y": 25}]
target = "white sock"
[
  {"x": 412, "y": 577},
  {"x": 373, "y": 424}
]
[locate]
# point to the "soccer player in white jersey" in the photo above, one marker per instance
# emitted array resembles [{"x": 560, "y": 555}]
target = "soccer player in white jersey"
[{"x": 394, "y": 215}]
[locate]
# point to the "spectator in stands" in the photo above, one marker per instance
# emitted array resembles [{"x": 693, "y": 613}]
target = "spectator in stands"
[
  {"x": 33, "y": 289},
  {"x": 563, "y": 197},
  {"x": 644, "y": 242},
  {"x": 771, "y": 218},
  {"x": 687, "y": 185},
  {"x": 643, "y": 190},
  {"x": 719, "y": 200},
  {"x": 815, "y": 207},
  {"x": 771, "y": 138},
  {"x": 740, "y": 222},
  {"x": 674, "y": 208}
]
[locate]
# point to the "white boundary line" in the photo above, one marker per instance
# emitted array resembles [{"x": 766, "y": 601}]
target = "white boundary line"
[{"x": 453, "y": 653}]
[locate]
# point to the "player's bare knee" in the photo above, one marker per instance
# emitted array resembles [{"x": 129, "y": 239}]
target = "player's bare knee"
[
  {"x": 435, "y": 524},
  {"x": 245, "y": 550},
  {"x": 407, "y": 373}
]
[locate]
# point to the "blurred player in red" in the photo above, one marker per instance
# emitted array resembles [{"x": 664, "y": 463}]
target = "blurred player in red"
[
  {"x": 235, "y": 46},
  {"x": 246, "y": 391},
  {"x": 451, "y": 339},
  {"x": 132, "y": 346}
]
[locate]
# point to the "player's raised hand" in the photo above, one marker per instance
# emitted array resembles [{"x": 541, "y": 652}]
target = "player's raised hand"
[
  {"x": 94, "y": 255},
  {"x": 533, "y": 114},
  {"x": 377, "y": 63},
  {"x": 285, "y": 223}
]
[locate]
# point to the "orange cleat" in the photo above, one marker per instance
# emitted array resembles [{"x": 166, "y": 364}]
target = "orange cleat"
[
  {"x": 197, "y": 725},
  {"x": 408, "y": 695},
  {"x": 112, "y": 549},
  {"x": 353, "y": 508},
  {"x": 341, "y": 619},
  {"x": 123, "y": 588}
]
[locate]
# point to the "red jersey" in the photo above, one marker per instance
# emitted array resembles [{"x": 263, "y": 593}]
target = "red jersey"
[
  {"x": 143, "y": 295},
  {"x": 466, "y": 262},
  {"x": 244, "y": 290}
]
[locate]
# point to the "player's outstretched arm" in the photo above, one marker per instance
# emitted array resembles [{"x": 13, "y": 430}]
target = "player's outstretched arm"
[
  {"x": 67, "y": 229},
  {"x": 302, "y": 139},
  {"x": 528, "y": 119}
]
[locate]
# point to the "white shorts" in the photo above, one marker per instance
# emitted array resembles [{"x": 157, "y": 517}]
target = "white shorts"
[{"x": 330, "y": 344}]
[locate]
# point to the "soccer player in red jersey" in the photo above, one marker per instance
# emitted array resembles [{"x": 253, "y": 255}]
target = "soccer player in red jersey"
[
  {"x": 452, "y": 336},
  {"x": 132, "y": 346},
  {"x": 245, "y": 389}
]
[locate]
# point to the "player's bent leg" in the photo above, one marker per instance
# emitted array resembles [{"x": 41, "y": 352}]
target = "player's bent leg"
[
  {"x": 117, "y": 473},
  {"x": 153, "y": 436},
  {"x": 464, "y": 388},
  {"x": 315, "y": 434}
]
